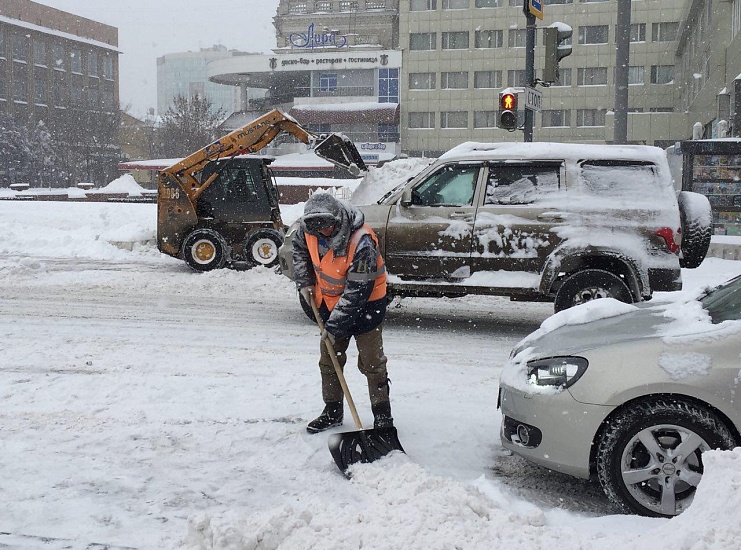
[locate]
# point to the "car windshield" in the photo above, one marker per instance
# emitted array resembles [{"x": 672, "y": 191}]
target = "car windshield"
[{"x": 724, "y": 302}]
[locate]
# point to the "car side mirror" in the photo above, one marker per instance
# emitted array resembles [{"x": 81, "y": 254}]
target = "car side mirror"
[{"x": 406, "y": 197}]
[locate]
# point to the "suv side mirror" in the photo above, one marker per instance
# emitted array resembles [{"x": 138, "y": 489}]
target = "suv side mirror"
[{"x": 406, "y": 197}]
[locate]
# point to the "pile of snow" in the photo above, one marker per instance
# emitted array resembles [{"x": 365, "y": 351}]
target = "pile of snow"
[
  {"x": 379, "y": 181},
  {"x": 125, "y": 184}
]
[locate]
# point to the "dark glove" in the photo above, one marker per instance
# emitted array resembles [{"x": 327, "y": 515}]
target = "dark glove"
[{"x": 326, "y": 335}]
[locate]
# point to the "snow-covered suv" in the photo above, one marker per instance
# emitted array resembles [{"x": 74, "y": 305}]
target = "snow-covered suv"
[{"x": 539, "y": 222}]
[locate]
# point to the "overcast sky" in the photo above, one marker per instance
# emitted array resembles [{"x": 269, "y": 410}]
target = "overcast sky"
[{"x": 150, "y": 28}]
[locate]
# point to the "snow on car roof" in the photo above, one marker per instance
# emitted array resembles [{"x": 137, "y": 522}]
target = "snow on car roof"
[{"x": 546, "y": 150}]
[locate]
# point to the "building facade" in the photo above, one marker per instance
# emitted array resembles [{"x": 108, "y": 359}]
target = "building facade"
[
  {"x": 185, "y": 74},
  {"x": 335, "y": 68},
  {"x": 708, "y": 67},
  {"x": 62, "y": 70},
  {"x": 459, "y": 54}
]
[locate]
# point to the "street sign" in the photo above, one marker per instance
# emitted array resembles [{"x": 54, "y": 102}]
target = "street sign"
[
  {"x": 536, "y": 8},
  {"x": 533, "y": 99}
]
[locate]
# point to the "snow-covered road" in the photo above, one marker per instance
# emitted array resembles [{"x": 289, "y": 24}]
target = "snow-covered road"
[{"x": 146, "y": 406}]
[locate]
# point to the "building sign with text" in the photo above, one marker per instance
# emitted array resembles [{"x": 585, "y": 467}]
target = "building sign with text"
[{"x": 346, "y": 60}]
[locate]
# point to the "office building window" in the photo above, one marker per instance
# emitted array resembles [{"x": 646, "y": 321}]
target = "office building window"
[
  {"x": 556, "y": 118},
  {"x": 662, "y": 74},
  {"x": 20, "y": 82},
  {"x": 591, "y": 76},
  {"x": 664, "y": 32},
  {"x": 298, "y": 6},
  {"x": 564, "y": 77},
  {"x": 455, "y": 4},
  {"x": 388, "y": 86},
  {"x": 489, "y": 3},
  {"x": 388, "y": 133},
  {"x": 422, "y": 81},
  {"x": 636, "y": 76},
  {"x": 2, "y": 45},
  {"x": 108, "y": 67},
  {"x": 457, "y": 40},
  {"x": 422, "y": 5},
  {"x": 551, "y": 2},
  {"x": 638, "y": 32},
  {"x": 39, "y": 53},
  {"x": 454, "y": 119},
  {"x": 60, "y": 89},
  {"x": 421, "y": 120},
  {"x": 517, "y": 38},
  {"x": 348, "y": 5},
  {"x": 75, "y": 56},
  {"x": 20, "y": 47},
  {"x": 39, "y": 85},
  {"x": 661, "y": 110},
  {"x": 594, "y": 34},
  {"x": 487, "y": 79},
  {"x": 516, "y": 78},
  {"x": 485, "y": 119},
  {"x": 323, "y": 5},
  {"x": 422, "y": 41},
  {"x": 590, "y": 117},
  {"x": 92, "y": 64},
  {"x": 454, "y": 80},
  {"x": 327, "y": 82},
  {"x": 58, "y": 57},
  {"x": 489, "y": 39}
]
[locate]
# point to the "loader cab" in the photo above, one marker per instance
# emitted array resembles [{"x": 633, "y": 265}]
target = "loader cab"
[{"x": 243, "y": 191}]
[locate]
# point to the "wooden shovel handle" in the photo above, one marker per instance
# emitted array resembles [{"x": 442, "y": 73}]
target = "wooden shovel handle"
[{"x": 336, "y": 364}]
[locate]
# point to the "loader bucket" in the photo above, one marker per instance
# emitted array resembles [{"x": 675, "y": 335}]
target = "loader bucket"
[{"x": 339, "y": 150}]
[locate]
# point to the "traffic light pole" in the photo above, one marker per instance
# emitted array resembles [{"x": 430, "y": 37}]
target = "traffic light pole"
[{"x": 529, "y": 72}]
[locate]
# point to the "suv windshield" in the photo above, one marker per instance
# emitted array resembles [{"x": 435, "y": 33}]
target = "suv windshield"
[{"x": 724, "y": 302}]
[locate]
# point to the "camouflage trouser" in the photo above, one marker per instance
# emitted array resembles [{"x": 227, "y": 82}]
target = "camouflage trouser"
[{"x": 371, "y": 362}]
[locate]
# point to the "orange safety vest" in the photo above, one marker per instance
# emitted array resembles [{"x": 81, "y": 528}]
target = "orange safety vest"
[{"x": 331, "y": 273}]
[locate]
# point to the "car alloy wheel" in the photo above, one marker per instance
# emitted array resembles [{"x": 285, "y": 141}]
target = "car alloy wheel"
[{"x": 649, "y": 458}]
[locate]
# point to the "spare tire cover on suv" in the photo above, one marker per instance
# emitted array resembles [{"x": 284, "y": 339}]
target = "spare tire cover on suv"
[{"x": 697, "y": 225}]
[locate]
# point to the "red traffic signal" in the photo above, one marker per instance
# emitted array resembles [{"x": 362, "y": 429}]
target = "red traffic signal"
[{"x": 508, "y": 102}]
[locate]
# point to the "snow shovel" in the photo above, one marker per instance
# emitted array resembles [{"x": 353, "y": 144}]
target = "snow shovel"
[{"x": 348, "y": 448}]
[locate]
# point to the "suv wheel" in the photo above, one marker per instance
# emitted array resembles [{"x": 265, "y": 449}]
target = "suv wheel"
[
  {"x": 591, "y": 284},
  {"x": 649, "y": 457},
  {"x": 204, "y": 250},
  {"x": 261, "y": 247},
  {"x": 696, "y": 215}
]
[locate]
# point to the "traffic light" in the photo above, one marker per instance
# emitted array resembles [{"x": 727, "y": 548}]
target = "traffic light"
[
  {"x": 507, "y": 110},
  {"x": 557, "y": 46}
]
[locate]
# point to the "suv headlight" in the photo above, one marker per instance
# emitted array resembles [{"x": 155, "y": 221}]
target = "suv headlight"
[{"x": 556, "y": 371}]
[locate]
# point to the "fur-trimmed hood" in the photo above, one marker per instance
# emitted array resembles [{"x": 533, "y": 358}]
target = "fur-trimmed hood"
[{"x": 349, "y": 219}]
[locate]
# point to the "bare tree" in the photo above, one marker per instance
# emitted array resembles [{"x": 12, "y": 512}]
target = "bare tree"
[{"x": 191, "y": 123}]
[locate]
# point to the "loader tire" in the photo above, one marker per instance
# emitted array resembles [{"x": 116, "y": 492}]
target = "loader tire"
[
  {"x": 261, "y": 247},
  {"x": 204, "y": 250}
]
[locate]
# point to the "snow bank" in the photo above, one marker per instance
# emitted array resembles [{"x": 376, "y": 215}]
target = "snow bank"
[{"x": 124, "y": 184}]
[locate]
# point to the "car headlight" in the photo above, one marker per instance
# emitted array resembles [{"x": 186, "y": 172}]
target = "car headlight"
[{"x": 556, "y": 371}]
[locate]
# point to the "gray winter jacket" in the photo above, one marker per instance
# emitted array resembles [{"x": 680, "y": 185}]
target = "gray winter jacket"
[{"x": 353, "y": 314}]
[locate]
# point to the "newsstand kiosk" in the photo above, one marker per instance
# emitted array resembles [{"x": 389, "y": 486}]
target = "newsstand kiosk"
[{"x": 712, "y": 167}]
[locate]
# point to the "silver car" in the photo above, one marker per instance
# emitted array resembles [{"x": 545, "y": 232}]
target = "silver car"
[{"x": 630, "y": 394}]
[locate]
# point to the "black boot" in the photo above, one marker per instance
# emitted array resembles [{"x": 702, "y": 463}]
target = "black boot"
[
  {"x": 331, "y": 416},
  {"x": 382, "y": 415}
]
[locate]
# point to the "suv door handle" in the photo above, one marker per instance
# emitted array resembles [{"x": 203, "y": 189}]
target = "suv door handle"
[
  {"x": 551, "y": 216},
  {"x": 460, "y": 215}
]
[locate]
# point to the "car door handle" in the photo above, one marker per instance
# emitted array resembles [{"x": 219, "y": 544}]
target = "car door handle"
[{"x": 551, "y": 216}]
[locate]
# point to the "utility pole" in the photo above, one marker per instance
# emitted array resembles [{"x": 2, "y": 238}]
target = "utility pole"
[
  {"x": 622, "y": 64},
  {"x": 530, "y": 70}
]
